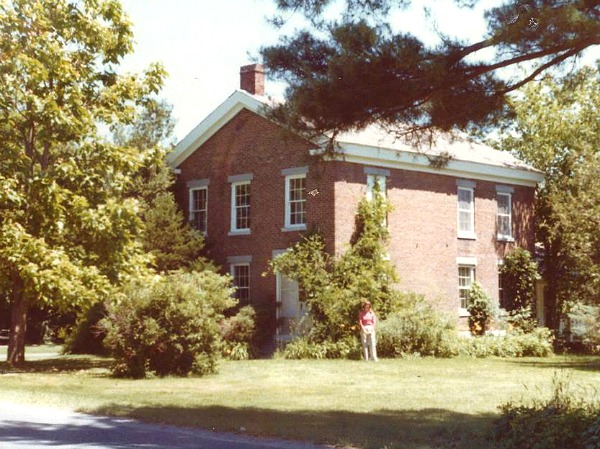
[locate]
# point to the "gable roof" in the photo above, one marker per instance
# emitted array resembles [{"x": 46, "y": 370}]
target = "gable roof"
[{"x": 377, "y": 147}]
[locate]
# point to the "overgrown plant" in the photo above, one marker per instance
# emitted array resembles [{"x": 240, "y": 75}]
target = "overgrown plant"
[
  {"x": 568, "y": 419},
  {"x": 335, "y": 287},
  {"x": 481, "y": 308},
  {"x": 168, "y": 324},
  {"x": 520, "y": 273}
]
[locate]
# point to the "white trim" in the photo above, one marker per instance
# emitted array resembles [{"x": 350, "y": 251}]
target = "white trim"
[
  {"x": 232, "y": 273},
  {"x": 239, "y": 260},
  {"x": 287, "y": 209},
  {"x": 246, "y": 177},
  {"x": 212, "y": 123},
  {"x": 191, "y": 203},
  {"x": 461, "y": 233},
  {"x": 377, "y": 171},
  {"x": 294, "y": 171},
  {"x": 466, "y": 260},
  {"x": 234, "y": 230},
  {"x": 499, "y": 236},
  {"x": 405, "y": 160},
  {"x": 195, "y": 183}
]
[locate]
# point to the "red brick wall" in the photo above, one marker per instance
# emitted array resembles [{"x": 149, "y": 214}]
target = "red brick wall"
[
  {"x": 252, "y": 144},
  {"x": 423, "y": 225}
]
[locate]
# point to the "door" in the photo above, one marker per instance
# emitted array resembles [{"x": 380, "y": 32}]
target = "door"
[{"x": 290, "y": 310}]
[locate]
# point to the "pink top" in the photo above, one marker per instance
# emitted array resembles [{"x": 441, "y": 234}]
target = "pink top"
[{"x": 367, "y": 318}]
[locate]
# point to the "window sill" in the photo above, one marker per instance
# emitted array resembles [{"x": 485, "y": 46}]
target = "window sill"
[
  {"x": 239, "y": 232},
  {"x": 467, "y": 236},
  {"x": 293, "y": 228},
  {"x": 463, "y": 313},
  {"x": 505, "y": 238}
]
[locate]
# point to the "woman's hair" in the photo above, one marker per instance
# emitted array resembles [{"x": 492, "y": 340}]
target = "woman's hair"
[{"x": 366, "y": 303}]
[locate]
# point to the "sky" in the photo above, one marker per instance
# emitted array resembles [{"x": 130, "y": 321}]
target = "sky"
[{"x": 203, "y": 43}]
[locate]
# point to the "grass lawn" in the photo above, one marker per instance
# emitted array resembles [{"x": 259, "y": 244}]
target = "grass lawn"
[{"x": 408, "y": 404}]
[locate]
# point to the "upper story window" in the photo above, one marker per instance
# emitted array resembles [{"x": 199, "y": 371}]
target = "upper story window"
[
  {"x": 240, "y": 204},
  {"x": 466, "y": 209},
  {"x": 295, "y": 201},
  {"x": 199, "y": 208},
  {"x": 295, "y": 198},
  {"x": 376, "y": 181},
  {"x": 504, "y": 217},
  {"x": 198, "y": 204}
]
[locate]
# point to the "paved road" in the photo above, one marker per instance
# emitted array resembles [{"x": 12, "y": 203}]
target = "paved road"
[{"x": 33, "y": 427}]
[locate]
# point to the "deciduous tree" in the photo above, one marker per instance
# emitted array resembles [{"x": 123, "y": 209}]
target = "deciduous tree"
[
  {"x": 67, "y": 232},
  {"x": 558, "y": 131}
]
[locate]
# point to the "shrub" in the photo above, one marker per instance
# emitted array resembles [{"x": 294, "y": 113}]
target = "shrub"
[
  {"x": 481, "y": 310},
  {"x": 237, "y": 333},
  {"x": 535, "y": 344},
  {"x": 416, "y": 329},
  {"x": 169, "y": 325},
  {"x": 566, "y": 420},
  {"x": 304, "y": 348}
]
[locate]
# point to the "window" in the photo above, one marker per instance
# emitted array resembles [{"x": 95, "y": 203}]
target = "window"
[
  {"x": 376, "y": 180},
  {"x": 241, "y": 280},
  {"x": 466, "y": 277},
  {"x": 504, "y": 221},
  {"x": 501, "y": 292},
  {"x": 240, "y": 206},
  {"x": 466, "y": 213},
  {"x": 199, "y": 208},
  {"x": 295, "y": 201}
]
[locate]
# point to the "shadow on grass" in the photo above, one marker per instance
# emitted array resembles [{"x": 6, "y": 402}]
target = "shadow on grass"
[
  {"x": 62, "y": 364},
  {"x": 421, "y": 429},
  {"x": 576, "y": 362}
]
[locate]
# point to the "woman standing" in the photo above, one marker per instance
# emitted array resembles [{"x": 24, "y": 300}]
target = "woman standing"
[{"x": 367, "y": 321}]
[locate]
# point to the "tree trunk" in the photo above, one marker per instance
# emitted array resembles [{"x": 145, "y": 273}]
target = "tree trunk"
[{"x": 18, "y": 324}]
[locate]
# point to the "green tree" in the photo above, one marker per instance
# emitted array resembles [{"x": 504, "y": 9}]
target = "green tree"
[
  {"x": 354, "y": 70},
  {"x": 519, "y": 275},
  {"x": 557, "y": 130},
  {"x": 335, "y": 288},
  {"x": 67, "y": 231}
]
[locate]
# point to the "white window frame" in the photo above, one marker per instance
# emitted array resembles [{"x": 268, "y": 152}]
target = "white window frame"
[
  {"x": 234, "y": 209},
  {"x": 193, "y": 211},
  {"x": 469, "y": 263},
  {"x": 466, "y": 233},
  {"x": 375, "y": 178},
  {"x": 233, "y": 270},
  {"x": 289, "y": 226},
  {"x": 503, "y": 235}
]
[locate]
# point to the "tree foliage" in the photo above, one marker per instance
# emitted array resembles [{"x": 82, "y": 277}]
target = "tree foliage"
[
  {"x": 334, "y": 288},
  {"x": 67, "y": 231},
  {"x": 519, "y": 275},
  {"x": 168, "y": 325},
  {"x": 357, "y": 70},
  {"x": 557, "y": 130}
]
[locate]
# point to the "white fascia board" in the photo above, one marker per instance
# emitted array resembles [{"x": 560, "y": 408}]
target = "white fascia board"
[
  {"x": 382, "y": 157},
  {"x": 212, "y": 123}
]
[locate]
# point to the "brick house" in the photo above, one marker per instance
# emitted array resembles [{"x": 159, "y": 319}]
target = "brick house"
[{"x": 254, "y": 189}]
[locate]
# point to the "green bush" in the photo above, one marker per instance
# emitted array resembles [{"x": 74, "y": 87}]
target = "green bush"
[
  {"x": 535, "y": 344},
  {"x": 237, "y": 333},
  {"x": 304, "y": 348},
  {"x": 481, "y": 310},
  {"x": 168, "y": 325},
  {"x": 567, "y": 420},
  {"x": 416, "y": 329}
]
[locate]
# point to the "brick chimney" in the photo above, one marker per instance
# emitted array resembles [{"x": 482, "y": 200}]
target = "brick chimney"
[{"x": 252, "y": 79}]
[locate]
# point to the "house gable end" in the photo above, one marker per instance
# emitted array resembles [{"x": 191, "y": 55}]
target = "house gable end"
[{"x": 212, "y": 124}]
